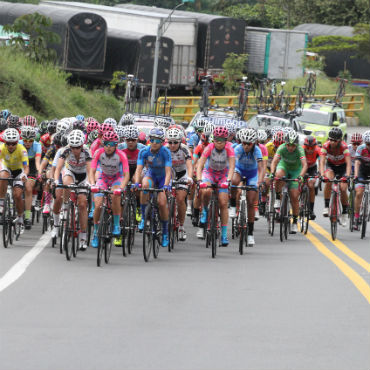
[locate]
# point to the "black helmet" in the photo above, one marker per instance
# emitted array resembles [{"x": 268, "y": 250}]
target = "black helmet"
[
  {"x": 335, "y": 133},
  {"x": 57, "y": 140},
  {"x": 3, "y": 124},
  {"x": 43, "y": 127},
  {"x": 64, "y": 140},
  {"x": 310, "y": 141},
  {"x": 14, "y": 121},
  {"x": 52, "y": 126},
  {"x": 79, "y": 125}
]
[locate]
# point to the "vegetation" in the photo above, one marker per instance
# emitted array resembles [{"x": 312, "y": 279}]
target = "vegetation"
[{"x": 27, "y": 87}]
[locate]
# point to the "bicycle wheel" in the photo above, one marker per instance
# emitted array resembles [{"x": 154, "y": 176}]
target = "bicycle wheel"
[
  {"x": 108, "y": 237},
  {"x": 304, "y": 211},
  {"x": 242, "y": 227},
  {"x": 148, "y": 233},
  {"x": 351, "y": 213},
  {"x": 67, "y": 236},
  {"x": 61, "y": 232},
  {"x": 172, "y": 223},
  {"x": 132, "y": 226},
  {"x": 101, "y": 236},
  {"x": 45, "y": 223},
  {"x": 5, "y": 222},
  {"x": 157, "y": 235},
  {"x": 76, "y": 231},
  {"x": 333, "y": 212},
  {"x": 213, "y": 220},
  {"x": 364, "y": 213},
  {"x": 271, "y": 213},
  {"x": 283, "y": 216},
  {"x": 125, "y": 224}
]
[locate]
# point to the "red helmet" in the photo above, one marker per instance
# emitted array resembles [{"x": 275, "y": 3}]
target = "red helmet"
[
  {"x": 356, "y": 138},
  {"x": 29, "y": 121},
  {"x": 310, "y": 141},
  {"x": 111, "y": 136},
  {"x": 221, "y": 132},
  {"x": 92, "y": 125},
  {"x": 278, "y": 138},
  {"x": 142, "y": 136},
  {"x": 105, "y": 127}
]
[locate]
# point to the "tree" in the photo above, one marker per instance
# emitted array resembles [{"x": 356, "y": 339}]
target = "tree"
[{"x": 40, "y": 38}]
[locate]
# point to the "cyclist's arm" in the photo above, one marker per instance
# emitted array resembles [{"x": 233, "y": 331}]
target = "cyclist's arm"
[
  {"x": 275, "y": 162},
  {"x": 168, "y": 175},
  {"x": 200, "y": 167},
  {"x": 304, "y": 167},
  {"x": 26, "y": 169},
  {"x": 43, "y": 165},
  {"x": 348, "y": 165},
  {"x": 322, "y": 164},
  {"x": 38, "y": 162},
  {"x": 89, "y": 172},
  {"x": 189, "y": 167},
  {"x": 231, "y": 168},
  {"x": 261, "y": 172},
  {"x": 357, "y": 166},
  {"x": 139, "y": 169},
  {"x": 58, "y": 169}
]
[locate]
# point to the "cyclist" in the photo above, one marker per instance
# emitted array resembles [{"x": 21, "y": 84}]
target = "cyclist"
[
  {"x": 103, "y": 128},
  {"x": 34, "y": 160},
  {"x": 216, "y": 166},
  {"x": 261, "y": 139},
  {"x": 356, "y": 141},
  {"x": 113, "y": 174},
  {"x": 289, "y": 161},
  {"x": 74, "y": 165},
  {"x": 14, "y": 164},
  {"x": 194, "y": 137},
  {"x": 335, "y": 155},
  {"x": 362, "y": 172},
  {"x": 248, "y": 164},
  {"x": 182, "y": 172},
  {"x": 157, "y": 158},
  {"x": 312, "y": 152}
]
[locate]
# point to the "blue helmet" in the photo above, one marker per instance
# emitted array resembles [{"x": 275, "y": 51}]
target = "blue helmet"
[
  {"x": 80, "y": 117},
  {"x": 157, "y": 132},
  {"x": 5, "y": 114}
]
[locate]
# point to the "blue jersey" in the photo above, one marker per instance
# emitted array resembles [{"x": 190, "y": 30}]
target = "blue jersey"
[
  {"x": 122, "y": 146},
  {"x": 247, "y": 161},
  {"x": 193, "y": 140},
  {"x": 33, "y": 150},
  {"x": 156, "y": 162}
]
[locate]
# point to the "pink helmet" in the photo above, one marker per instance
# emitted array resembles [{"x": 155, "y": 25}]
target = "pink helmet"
[
  {"x": 142, "y": 136},
  {"x": 105, "y": 127},
  {"x": 92, "y": 125},
  {"x": 111, "y": 136},
  {"x": 221, "y": 132}
]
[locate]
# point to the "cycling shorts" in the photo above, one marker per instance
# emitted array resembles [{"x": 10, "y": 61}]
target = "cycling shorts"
[
  {"x": 339, "y": 170},
  {"x": 105, "y": 182},
  {"x": 156, "y": 182},
  {"x": 78, "y": 179},
  {"x": 215, "y": 177},
  {"x": 250, "y": 176},
  {"x": 290, "y": 174},
  {"x": 15, "y": 174},
  {"x": 181, "y": 177},
  {"x": 312, "y": 171},
  {"x": 362, "y": 176}
]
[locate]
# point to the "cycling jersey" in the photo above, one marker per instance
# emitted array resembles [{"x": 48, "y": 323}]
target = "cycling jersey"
[
  {"x": 352, "y": 152},
  {"x": 156, "y": 162},
  {"x": 179, "y": 158},
  {"x": 122, "y": 146},
  {"x": 16, "y": 160},
  {"x": 311, "y": 156},
  {"x": 198, "y": 151},
  {"x": 193, "y": 140},
  {"x": 247, "y": 161},
  {"x": 33, "y": 152},
  {"x": 271, "y": 151},
  {"x": 363, "y": 155},
  {"x": 45, "y": 141},
  {"x": 110, "y": 165},
  {"x": 50, "y": 154},
  {"x": 264, "y": 152},
  {"x": 335, "y": 156},
  {"x": 217, "y": 160},
  {"x": 97, "y": 143},
  {"x": 291, "y": 160},
  {"x": 74, "y": 165}
]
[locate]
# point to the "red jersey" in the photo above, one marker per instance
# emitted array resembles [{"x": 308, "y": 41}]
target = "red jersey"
[
  {"x": 337, "y": 156},
  {"x": 45, "y": 142},
  {"x": 132, "y": 156},
  {"x": 311, "y": 156},
  {"x": 200, "y": 148}
]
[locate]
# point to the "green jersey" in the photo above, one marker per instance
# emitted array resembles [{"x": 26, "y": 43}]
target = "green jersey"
[{"x": 292, "y": 160}]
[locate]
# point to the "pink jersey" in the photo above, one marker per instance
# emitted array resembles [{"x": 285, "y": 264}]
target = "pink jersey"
[
  {"x": 264, "y": 152},
  {"x": 110, "y": 165},
  {"x": 95, "y": 146},
  {"x": 218, "y": 160}
]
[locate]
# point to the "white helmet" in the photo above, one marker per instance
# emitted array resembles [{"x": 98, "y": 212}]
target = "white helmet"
[
  {"x": 366, "y": 137},
  {"x": 208, "y": 128},
  {"x": 120, "y": 130},
  {"x": 76, "y": 138},
  {"x": 261, "y": 135},
  {"x": 63, "y": 125},
  {"x": 131, "y": 132},
  {"x": 248, "y": 135},
  {"x": 174, "y": 134},
  {"x": 200, "y": 123},
  {"x": 291, "y": 137},
  {"x": 11, "y": 135},
  {"x": 112, "y": 121},
  {"x": 161, "y": 122},
  {"x": 28, "y": 132},
  {"x": 275, "y": 129},
  {"x": 231, "y": 127},
  {"x": 128, "y": 119}
]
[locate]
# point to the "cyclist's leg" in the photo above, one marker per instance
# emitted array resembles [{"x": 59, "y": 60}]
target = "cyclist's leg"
[
  {"x": 28, "y": 193},
  {"x": 280, "y": 172},
  {"x": 223, "y": 201},
  {"x": 163, "y": 210},
  {"x": 234, "y": 193},
  {"x": 294, "y": 197},
  {"x": 181, "y": 209},
  {"x": 146, "y": 183},
  {"x": 4, "y": 174},
  {"x": 116, "y": 183},
  {"x": 329, "y": 173},
  {"x": 252, "y": 196},
  {"x": 18, "y": 199},
  {"x": 359, "y": 189}
]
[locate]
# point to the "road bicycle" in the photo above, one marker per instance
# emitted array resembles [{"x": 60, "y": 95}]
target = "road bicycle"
[
  {"x": 204, "y": 101},
  {"x": 128, "y": 98},
  {"x": 282, "y": 101},
  {"x": 262, "y": 94},
  {"x": 270, "y": 209},
  {"x": 351, "y": 203},
  {"x": 300, "y": 97},
  {"x": 304, "y": 204},
  {"x": 310, "y": 85},
  {"x": 341, "y": 90},
  {"x": 364, "y": 208},
  {"x": 244, "y": 89},
  {"x": 128, "y": 221}
]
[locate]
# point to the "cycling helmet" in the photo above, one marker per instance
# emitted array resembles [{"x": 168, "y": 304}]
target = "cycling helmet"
[
  {"x": 11, "y": 135},
  {"x": 161, "y": 122},
  {"x": 199, "y": 124},
  {"x": 14, "y": 122},
  {"x": 79, "y": 125},
  {"x": 120, "y": 130},
  {"x": 76, "y": 138},
  {"x": 128, "y": 119},
  {"x": 43, "y": 127},
  {"x": 131, "y": 132},
  {"x": 29, "y": 121},
  {"x": 92, "y": 125},
  {"x": 286, "y": 130},
  {"x": 310, "y": 141},
  {"x": 111, "y": 121},
  {"x": 3, "y": 124},
  {"x": 248, "y": 135},
  {"x": 111, "y": 136},
  {"x": 268, "y": 132},
  {"x": 28, "y": 132},
  {"x": 356, "y": 138},
  {"x": 275, "y": 129},
  {"x": 208, "y": 129},
  {"x": 261, "y": 135},
  {"x": 80, "y": 117},
  {"x": 64, "y": 139},
  {"x": 335, "y": 133},
  {"x": 62, "y": 126},
  {"x": 157, "y": 132},
  {"x": 105, "y": 127},
  {"x": 93, "y": 135},
  {"x": 291, "y": 137},
  {"x": 174, "y": 134},
  {"x": 90, "y": 119},
  {"x": 278, "y": 138},
  {"x": 52, "y": 126},
  {"x": 142, "y": 137},
  {"x": 221, "y": 132},
  {"x": 5, "y": 113},
  {"x": 231, "y": 128},
  {"x": 366, "y": 137}
]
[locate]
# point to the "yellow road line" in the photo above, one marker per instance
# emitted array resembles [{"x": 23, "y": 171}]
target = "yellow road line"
[
  {"x": 341, "y": 246},
  {"x": 351, "y": 274}
]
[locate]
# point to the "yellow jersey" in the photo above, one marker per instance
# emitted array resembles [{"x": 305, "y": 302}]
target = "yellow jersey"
[{"x": 16, "y": 160}]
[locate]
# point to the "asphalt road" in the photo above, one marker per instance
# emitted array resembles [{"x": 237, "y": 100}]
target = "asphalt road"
[{"x": 302, "y": 304}]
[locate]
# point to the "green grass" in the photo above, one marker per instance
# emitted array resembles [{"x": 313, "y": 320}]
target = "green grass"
[{"x": 43, "y": 91}]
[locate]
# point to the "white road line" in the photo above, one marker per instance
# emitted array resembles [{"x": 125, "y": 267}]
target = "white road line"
[{"x": 20, "y": 267}]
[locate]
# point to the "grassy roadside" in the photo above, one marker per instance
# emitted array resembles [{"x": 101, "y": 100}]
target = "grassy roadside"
[{"x": 43, "y": 91}]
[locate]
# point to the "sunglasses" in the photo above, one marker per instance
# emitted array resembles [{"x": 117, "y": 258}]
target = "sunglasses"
[
  {"x": 28, "y": 140},
  {"x": 76, "y": 147},
  {"x": 356, "y": 144},
  {"x": 173, "y": 142},
  {"x": 11, "y": 144},
  {"x": 110, "y": 143},
  {"x": 333, "y": 140},
  {"x": 131, "y": 139},
  {"x": 289, "y": 144},
  {"x": 157, "y": 141},
  {"x": 220, "y": 139},
  {"x": 245, "y": 143}
]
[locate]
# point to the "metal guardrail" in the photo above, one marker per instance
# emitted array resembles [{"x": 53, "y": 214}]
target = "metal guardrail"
[{"x": 183, "y": 108}]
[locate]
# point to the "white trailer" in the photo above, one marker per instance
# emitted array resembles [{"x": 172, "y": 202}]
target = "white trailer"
[{"x": 182, "y": 30}]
